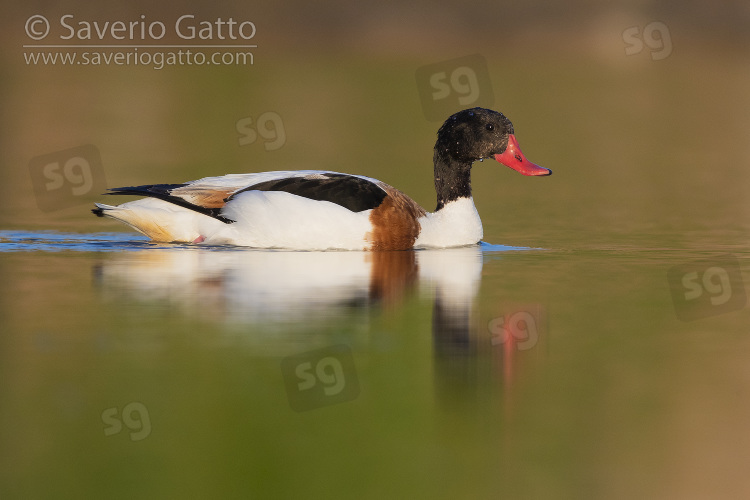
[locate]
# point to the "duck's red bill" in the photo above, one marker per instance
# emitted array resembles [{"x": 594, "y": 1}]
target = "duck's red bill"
[{"x": 514, "y": 158}]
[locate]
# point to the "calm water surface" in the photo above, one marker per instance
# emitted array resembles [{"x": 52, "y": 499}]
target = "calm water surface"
[
  {"x": 151, "y": 369},
  {"x": 603, "y": 354}
]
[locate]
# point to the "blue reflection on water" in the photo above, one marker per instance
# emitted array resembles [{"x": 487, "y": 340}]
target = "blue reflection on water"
[
  {"x": 489, "y": 247},
  {"x": 53, "y": 241}
]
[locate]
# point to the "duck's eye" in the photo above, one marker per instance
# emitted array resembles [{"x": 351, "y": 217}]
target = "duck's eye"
[{"x": 489, "y": 126}]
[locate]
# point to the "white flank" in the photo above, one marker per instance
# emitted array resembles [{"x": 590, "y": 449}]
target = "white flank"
[
  {"x": 275, "y": 219},
  {"x": 456, "y": 224}
]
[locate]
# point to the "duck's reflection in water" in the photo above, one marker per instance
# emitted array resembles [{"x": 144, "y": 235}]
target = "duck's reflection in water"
[
  {"x": 478, "y": 355},
  {"x": 455, "y": 336},
  {"x": 285, "y": 302},
  {"x": 258, "y": 287}
]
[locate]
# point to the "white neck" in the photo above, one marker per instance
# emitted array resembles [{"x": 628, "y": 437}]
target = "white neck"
[{"x": 456, "y": 224}]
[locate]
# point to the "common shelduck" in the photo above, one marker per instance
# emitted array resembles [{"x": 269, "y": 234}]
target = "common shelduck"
[{"x": 322, "y": 210}]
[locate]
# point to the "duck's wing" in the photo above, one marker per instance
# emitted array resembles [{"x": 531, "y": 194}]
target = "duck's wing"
[
  {"x": 353, "y": 192},
  {"x": 210, "y": 194}
]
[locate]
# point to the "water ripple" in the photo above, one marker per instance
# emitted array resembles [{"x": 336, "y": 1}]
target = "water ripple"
[{"x": 53, "y": 241}]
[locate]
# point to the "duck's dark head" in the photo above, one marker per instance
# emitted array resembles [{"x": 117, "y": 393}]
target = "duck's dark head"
[{"x": 471, "y": 135}]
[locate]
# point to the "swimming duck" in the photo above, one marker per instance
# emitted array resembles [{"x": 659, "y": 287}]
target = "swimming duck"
[{"x": 323, "y": 210}]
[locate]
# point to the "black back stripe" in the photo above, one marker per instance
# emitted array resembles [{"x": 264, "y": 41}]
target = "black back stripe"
[
  {"x": 353, "y": 193},
  {"x": 162, "y": 192}
]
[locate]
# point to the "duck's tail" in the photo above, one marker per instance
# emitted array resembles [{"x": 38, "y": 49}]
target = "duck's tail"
[
  {"x": 100, "y": 208},
  {"x": 159, "y": 220}
]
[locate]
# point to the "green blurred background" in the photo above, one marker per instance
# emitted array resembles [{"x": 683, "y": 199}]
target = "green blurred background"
[
  {"x": 635, "y": 140},
  {"x": 650, "y": 162}
]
